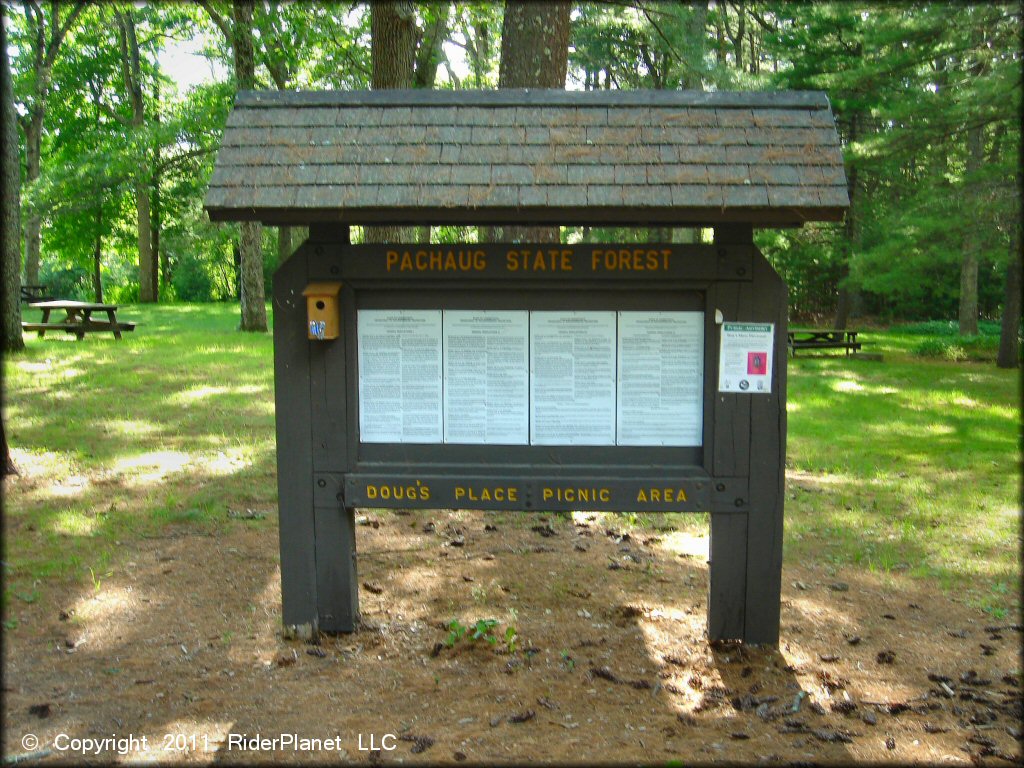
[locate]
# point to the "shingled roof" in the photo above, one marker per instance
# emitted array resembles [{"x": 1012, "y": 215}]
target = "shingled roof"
[{"x": 529, "y": 157}]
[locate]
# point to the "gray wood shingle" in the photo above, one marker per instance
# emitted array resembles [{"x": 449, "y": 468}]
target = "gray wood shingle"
[{"x": 568, "y": 157}]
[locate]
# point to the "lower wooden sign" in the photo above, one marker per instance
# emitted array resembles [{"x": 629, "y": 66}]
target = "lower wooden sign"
[{"x": 662, "y": 494}]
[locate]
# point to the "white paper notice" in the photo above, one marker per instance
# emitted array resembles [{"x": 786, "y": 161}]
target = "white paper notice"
[
  {"x": 486, "y": 377},
  {"x": 661, "y": 378},
  {"x": 745, "y": 358},
  {"x": 399, "y": 375},
  {"x": 572, "y": 378}
]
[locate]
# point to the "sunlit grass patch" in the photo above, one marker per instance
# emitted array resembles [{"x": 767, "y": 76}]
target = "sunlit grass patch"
[{"x": 907, "y": 467}]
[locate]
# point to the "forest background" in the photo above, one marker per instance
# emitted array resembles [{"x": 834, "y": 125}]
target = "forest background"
[{"x": 114, "y": 154}]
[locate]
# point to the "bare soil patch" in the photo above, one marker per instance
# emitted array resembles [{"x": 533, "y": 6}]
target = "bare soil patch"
[{"x": 611, "y": 665}]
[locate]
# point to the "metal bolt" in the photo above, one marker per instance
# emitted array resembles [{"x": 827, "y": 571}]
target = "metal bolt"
[
  {"x": 721, "y": 253},
  {"x": 741, "y": 271},
  {"x": 319, "y": 250},
  {"x": 739, "y": 502},
  {"x": 322, "y": 483},
  {"x": 335, "y": 269},
  {"x": 720, "y": 487}
]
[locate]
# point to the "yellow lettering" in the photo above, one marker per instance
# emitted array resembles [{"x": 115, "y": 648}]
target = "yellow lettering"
[
  {"x": 460, "y": 492},
  {"x": 371, "y": 492},
  {"x": 421, "y": 261},
  {"x": 435, "y": 261},
  {"x": 548, "y": 494},
  {"x": 604, "y": 494},
  {"x": 665, "y": 253},
  {"x": 661, "y": 494},
  {"x": 406, "y": 262},
  {"x": 392, "y": 259},
  {"x": 479, "y": 261},
  {"x": 513, "y": 494}
]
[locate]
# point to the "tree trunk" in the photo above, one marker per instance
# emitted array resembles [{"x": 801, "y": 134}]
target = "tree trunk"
[
  {"x": 284, "y": 244},
  {"x": 968, "y": 314},
  {"x": 47, "y": 39},
  {"x": 431, "y": 52},
  {"x": 143, "y": 218},
  {"x": 392, "y": 55},
  {"x": 155, "y": 222},
  {"x": 534, "y": 54},
  {"x": 720, "y": 36},
  {"x": 33, "y": 224},
  {"x": 8, "y": 466},
  {"x": 252, "y": 296},
  {"x": 1009, "y": 333},
  {"x": 10, "y": 271},
  {"x": 851, "y": 236},
  {"x": 132, "y": 71},
  {"x": 251, "y": 293},
  {"x": 696, "y": 41},
  {"x": 97, "y": 258},
  {"x": 534, "y": 44}
]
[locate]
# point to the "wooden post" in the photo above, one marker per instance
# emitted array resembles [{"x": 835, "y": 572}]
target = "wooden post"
[
  {"x": 750, "y": 439},
  {"x": 318, "y": 582}
]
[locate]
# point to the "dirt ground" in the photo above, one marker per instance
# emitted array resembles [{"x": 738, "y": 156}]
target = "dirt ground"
[{"x": 181, "y": 645}]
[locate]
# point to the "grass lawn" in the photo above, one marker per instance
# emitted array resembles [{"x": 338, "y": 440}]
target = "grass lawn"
[{"x": 904, "y": 467}]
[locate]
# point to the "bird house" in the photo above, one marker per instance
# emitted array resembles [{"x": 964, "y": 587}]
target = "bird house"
[{"x": 322, "y": 311}]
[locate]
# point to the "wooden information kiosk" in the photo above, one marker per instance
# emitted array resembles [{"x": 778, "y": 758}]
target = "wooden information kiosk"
[{"x": 530, "y": 376}]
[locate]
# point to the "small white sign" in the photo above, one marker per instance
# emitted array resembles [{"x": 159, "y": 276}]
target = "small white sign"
[{"x": 745, "y": 358}]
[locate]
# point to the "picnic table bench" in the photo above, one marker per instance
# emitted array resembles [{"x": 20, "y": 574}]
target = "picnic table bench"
[
  {"x": 822, "y": 338},
  {"x": 77, "y": 318},
  {"x": 30, "y": 293}
]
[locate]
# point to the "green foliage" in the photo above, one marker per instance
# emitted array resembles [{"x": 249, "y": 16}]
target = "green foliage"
[
  {"x": 456, "y": 631},
  {"x": 481, "y": 630},
  {"x": 191, "y": 281},
  {"x": 906, "y": 82},
  {"x": 948, "y": 328},
  {"x": 961, "y": 348},
  {"x": 65, "y": 281}
]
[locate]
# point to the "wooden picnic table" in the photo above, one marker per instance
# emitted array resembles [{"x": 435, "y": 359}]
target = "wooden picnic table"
[
  {"x": 77, "y": 318},
  {"x": 822, "y": 338}
]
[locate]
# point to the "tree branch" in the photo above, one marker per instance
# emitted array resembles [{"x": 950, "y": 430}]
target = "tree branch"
[
  {"x": 661, "y": 33},
  {"x": 219, "y": 20},
  {"x": 58, "y": 33}
]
